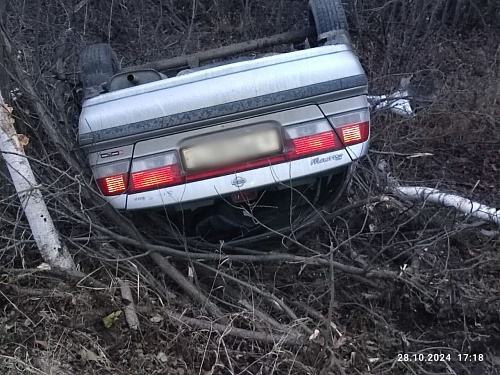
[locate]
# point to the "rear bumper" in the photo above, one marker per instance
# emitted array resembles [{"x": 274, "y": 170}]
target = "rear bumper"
[{"x": 215, "y": 188}]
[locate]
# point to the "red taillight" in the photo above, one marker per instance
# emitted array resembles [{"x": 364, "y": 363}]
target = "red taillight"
[
  {"x": 352, "y": 127},
  {"x": 353, "y": 134},
  {"x": 155, "y": 172},
  {"x": 112, "y": 178},
  {"x": 155, "y": 178},
  {"x": 113, "y": 185},
  {"x": 310, "y": 138},
  {"x": 314, "y": 143}
]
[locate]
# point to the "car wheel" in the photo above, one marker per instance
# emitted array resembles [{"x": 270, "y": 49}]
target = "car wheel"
[
  {"x": 98, "y": 63},
  {"x": 326, "y": 16}
]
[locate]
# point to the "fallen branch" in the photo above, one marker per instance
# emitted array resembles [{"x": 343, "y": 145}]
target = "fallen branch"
[
  {"x": 440, "y": 198},
  {"x": 39, "y": 293},
  {"x": 229, "y": 330},
  {"x": 316, "y": 260},
  {"x": 272, "y": 299},
  {"x": 218, "y": 281},
  {"x": 266, "y": 318},
  {"x": 72, "y": 277},
  {"x": 127, "y": 299}
]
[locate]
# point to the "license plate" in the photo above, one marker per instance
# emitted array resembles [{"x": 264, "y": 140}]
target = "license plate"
[{"x": 232, "y": 150}]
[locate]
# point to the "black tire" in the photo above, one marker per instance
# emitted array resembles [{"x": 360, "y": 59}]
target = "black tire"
[
  {"x": 326, "y": 16},
  {"x": 98, "y": 63}
]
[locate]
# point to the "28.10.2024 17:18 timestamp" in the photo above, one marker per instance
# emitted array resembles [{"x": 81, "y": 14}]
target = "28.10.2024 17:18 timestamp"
[{"x": 439, "y": 357}]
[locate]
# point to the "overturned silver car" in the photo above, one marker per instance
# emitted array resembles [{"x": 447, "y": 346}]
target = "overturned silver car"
[{"x": 233, "y": 146}]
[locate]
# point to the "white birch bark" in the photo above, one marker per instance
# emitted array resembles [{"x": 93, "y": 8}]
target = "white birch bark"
[
  {"x": 42, "y": 227},
  {"x": 461, "y": 204},
  {"x": 439, "y": 198}
]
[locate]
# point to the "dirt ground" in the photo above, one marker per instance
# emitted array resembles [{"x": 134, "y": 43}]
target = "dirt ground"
[{"x": 429, "y": 300}]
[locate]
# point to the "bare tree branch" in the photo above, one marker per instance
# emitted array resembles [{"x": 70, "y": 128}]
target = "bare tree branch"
[{"x": 274, "y": 338}]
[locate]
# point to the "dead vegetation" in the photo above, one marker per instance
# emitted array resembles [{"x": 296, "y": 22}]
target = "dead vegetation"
[{"x": 352, "y": 290}]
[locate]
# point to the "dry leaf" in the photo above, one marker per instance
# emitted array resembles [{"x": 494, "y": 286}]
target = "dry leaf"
[
  {"x": 89, "y": 355},
  {"x": 23, "y": 139},
  {"x": 156, "y": 318},
  {"x": 339, "y": 341},
  {"x": 314, "y": 335},
  {"x": 162, "y": 357},
  {"x": 110, "y": 319}
]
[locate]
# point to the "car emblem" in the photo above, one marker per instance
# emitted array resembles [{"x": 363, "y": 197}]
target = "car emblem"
[{"x": 238, "y": 181}]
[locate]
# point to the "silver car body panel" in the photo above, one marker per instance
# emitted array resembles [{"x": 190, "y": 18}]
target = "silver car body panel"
[
  {"x": 177, "y": 140},
  {"x": 222, "y": 93}
]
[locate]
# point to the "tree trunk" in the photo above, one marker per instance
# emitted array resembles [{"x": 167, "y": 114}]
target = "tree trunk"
[{"x": 44, "y": 232}]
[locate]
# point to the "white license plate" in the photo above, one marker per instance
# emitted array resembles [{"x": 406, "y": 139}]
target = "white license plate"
[{"x": 232, "y": 150}]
